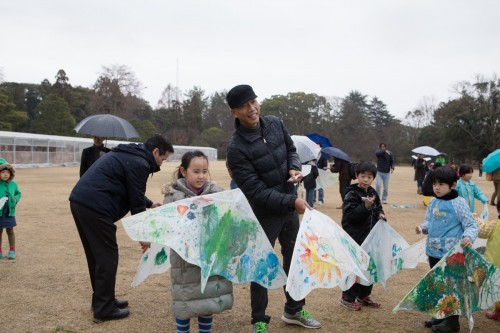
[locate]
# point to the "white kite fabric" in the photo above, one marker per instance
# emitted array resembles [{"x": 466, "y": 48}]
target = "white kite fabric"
[
  {"x": 3, "y": 200},
  {"x": 389, "y": 253},
  {"x": 217, "y": 232},
  {"x": 155, "y": 260},
  {"x": 325, "y": 256},
  {"x": 326, "y": 178}
]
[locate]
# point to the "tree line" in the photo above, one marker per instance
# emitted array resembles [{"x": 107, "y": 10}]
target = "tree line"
[{"x": 466, "y": 128}]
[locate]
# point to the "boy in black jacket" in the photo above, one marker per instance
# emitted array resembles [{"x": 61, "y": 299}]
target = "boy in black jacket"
[{"x": 361, "y": 210}]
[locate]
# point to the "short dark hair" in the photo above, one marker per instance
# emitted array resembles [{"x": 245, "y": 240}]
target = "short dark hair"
[
  {"x": 444, "y": 174},
  {"x": 465, "y": 169},
  {"x": 382, "y": 144},
  {"x": 160, "y": 142},
  {"x": 366, "y": 167}
]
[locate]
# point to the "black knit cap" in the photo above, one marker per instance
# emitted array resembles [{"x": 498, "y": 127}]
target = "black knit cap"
[{"x": 239, "y": 95}]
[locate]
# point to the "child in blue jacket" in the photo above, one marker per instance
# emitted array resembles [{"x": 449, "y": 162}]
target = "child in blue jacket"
[
  {"x": 448, "y": 220},
  {"x": 467, "y": 189}
]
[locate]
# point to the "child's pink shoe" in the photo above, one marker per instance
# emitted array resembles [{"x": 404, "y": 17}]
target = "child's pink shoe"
[{"x": 493, "y": 314}]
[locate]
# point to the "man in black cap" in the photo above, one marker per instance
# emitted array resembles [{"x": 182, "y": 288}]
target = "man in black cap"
[{"x": 265, "y": 165}]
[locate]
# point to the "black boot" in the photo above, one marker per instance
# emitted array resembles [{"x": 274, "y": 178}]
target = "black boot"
[
  {"x": 433, "y": 321},
  {"x": 449, "y": 324}
]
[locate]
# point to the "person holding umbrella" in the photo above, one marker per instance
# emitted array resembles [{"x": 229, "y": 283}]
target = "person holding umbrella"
[
  {"x": 91, "y": 154},
  {"x": 115, "y": 185},
  {"x": 491, "y": 166}
]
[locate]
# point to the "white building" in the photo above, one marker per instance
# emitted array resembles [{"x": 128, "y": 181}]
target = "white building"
[{"x": 29, "y": 150}]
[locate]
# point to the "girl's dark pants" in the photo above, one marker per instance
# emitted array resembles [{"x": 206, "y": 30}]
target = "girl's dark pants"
[{"x": 285, "y": 229}]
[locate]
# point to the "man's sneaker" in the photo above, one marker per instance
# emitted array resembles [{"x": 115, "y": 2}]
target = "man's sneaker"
[
  {"x": 12, "y": 255},
  {"x": 260, "y": 327},
  {"x": 350, "y": 305},
  {"x": 384, "y": 201},
  {"x": 302, "y": 318}
]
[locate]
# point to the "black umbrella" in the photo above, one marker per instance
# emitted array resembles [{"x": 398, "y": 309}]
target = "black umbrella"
[{"x": 107, "y": 126}]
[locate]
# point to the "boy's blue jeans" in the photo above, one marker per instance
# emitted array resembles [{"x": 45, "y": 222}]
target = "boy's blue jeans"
[{"x": 321, "y": 195}]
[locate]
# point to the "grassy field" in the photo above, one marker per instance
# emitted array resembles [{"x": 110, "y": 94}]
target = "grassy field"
[{"x": 47, "y": 289}]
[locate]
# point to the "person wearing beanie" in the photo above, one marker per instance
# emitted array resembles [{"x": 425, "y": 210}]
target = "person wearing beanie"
[
  {"x": 265, "y": 165},
  {"x": 9, "y": 197}
]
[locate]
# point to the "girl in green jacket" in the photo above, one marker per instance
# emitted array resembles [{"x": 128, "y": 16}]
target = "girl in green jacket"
[{"x": 9, "y": 197}]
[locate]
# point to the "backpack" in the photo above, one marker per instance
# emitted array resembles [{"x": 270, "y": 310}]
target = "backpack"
[{"x": 352, "y": 170}]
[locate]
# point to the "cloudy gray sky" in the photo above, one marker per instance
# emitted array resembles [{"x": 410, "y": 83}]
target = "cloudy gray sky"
[{"x": 401, "y": 51}]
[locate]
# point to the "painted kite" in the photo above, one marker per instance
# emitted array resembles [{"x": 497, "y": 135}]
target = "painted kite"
[
  {"x": 155, "y": 260},
  {"x": 389, "y": 253},
  {"x": 217, "y": 232},
  {"x": 461, "y": 283},
  {"x": 325, "y": 256},
  {"x": 414, "y": 254}
]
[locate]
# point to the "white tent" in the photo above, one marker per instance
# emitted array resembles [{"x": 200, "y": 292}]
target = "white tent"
[{"x": 28, "y": 149}]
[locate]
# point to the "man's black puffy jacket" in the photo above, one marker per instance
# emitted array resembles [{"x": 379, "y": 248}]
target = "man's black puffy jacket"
[{"x": 259, "y": 160}]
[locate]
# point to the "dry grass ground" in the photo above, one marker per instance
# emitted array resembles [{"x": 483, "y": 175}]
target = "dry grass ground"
[{"x": 47, "y": 289}]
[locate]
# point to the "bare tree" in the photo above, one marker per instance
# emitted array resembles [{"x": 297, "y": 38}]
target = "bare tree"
[
  {"x": 423, "y": 114},
  {"x": 126, "y": 78},
  {"x": 168, "y": 96}
]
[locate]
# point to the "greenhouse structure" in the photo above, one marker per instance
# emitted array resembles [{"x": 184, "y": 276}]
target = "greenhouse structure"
[{"x": 35, "y": 150}]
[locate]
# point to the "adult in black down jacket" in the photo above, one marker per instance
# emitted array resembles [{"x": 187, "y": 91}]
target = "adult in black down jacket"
[
  {"x": 262, "y": 157},
  {"x": 115, "y": 185}
]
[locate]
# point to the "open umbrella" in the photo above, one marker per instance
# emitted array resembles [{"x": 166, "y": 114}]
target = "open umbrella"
[
  {"x": 425, "y": 158},
  {"x": 320, "y": 139},
  {"x": 106, "y": 126},
  {"x": 426, "y": 150},
  {"x": 335, "y": 152},
  {"x": 492, "y": 161},
  {"x": 306, "y": 148}
]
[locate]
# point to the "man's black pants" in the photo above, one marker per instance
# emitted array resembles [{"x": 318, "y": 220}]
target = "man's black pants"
[
  {"x": 98, "y": 235},
  {"x": 285, "y": 229}
]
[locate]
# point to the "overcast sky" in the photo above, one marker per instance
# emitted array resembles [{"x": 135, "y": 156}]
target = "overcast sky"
[{"x": 398, "y": 50}]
